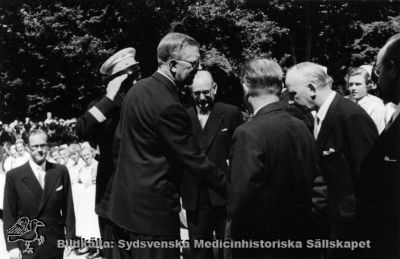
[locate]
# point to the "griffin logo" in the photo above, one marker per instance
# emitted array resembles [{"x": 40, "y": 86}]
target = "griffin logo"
[{"x": 26, "y": 230}]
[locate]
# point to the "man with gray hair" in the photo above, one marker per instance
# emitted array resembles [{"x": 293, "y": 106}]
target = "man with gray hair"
[
  {"x": 344, "y": 132},
  {"x": 379, "y": 206},
  {"x": 156, "y": 143},
  {"x": 272, "y": 168}
]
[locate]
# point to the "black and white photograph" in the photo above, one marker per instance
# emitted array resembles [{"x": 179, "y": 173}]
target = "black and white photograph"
[{"x": 199, "y": 129}]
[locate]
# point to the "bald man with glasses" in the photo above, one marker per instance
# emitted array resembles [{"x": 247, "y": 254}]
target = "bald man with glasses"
[{"x": 213, "y": 124}]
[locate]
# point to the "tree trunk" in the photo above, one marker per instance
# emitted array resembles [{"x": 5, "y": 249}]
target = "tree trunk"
[
  {"x": 292, "y": 47},
  {"x": 308, "y": 40}
]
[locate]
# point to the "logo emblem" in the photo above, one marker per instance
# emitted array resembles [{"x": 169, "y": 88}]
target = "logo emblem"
[{"x": 26, "y": 230}]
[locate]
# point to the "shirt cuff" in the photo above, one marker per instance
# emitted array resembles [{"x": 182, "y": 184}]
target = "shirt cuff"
[{"x": 102, "y": 109}]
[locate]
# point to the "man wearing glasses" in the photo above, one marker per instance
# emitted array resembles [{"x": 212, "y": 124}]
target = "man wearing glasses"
[
  {"x": 156, "y": 143},
  {"x": 213, "y": 125},
  {"x": 41, "y": 191},
  {"x": 379, "y": 199}
]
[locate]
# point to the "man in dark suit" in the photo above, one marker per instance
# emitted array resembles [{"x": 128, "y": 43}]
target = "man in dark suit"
[
  {"x": 41, "y": 191},
  {"x": 156, "y": 144},
  {"x": 344, "y": 133},
  {"x": 272, "y": 167},
  {"x": 213, "y": 125},
  {"x": 379, "y": 188},
  {"x": 99, "y": 124}
]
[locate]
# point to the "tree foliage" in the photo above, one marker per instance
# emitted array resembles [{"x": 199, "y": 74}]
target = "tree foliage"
[{"x": 51, "y": 51}]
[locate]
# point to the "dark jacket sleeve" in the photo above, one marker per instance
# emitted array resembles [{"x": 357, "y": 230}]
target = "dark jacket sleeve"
[
  {"x": 68, "y": 208},
  {"x": 175, "y": 128},
  {"x": 87, "y": 123},
  {"x": 10, "y": 209},
  {"x": 237, "y": 119}
]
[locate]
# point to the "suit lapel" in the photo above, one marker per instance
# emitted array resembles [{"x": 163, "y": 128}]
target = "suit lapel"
[
  {"x": 29, "y": 179},
  {"x": 213, "y": 124},
  {"x": 326, "y": 124},
  {"x": 50, "y": 181},
  {"x": 394, "y": 128}
]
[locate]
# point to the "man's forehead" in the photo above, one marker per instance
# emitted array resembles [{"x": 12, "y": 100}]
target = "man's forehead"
[
  {"x": 38, "y": 139},
  {"x": 203, "y": 80}
]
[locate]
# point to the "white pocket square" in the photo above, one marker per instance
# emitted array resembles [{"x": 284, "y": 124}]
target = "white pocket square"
[
  {"x": 224, "y": 129},
  {"x": 387, "y": 159},
  {"x": 328, "y": 152},
  {"x": 59, "y": 188}
]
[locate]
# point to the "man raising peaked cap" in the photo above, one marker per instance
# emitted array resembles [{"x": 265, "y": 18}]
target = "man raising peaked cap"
[{"x": 118, "y": 62}]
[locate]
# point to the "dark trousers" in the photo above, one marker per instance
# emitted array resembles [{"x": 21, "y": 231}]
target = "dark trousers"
[
  {"x": 202, "y": 223},
  {"x": 145, "y": 252},
  {"x": 107, "y": 233}
]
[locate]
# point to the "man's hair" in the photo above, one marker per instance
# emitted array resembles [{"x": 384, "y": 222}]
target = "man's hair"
[
  {"x": 393, "y": 50},
  {"x": 312, "y": 73},
  {"x": 34, "y": 132},
  {"x": 171, "y": 45},
  {"x": 262, "y": 73},
  {"x": 358, "y": 71}
]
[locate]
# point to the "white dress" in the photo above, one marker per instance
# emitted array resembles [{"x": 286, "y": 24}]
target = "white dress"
[
  {"x": 87, "y": 223},
  {"x": 73, "y": 171}
]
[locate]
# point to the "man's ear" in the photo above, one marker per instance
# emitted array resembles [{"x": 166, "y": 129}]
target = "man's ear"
[
  {"x": 172, "y": 66},
  {"x": 312, "y": 89},
  {"x": 214, "y": 88}
]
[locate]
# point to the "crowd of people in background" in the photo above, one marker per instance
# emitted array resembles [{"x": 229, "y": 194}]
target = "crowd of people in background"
[{"x": 65, "y": 149}]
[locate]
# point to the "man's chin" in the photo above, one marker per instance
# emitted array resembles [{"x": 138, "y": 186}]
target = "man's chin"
[{"x": 40, "y": 160}]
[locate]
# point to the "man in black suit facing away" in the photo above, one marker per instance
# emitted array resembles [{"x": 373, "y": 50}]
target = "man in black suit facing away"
[
  {"x": 379, "y": 188},
  {"x": 213, "y": 125},
  {"x": 344, "y": 133},
  {"x": 273, "y": 164},
  {"x": 99, "y": 124},
  {"x": 156, "y": 144},
  {"x": 39, "y": 190}
]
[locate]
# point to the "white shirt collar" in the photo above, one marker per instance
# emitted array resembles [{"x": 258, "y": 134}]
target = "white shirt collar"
[
  {"x": 258, "y": 109},
  {"x": 363, "y": 100},
  {"x": 325, "y": 106},
  {"x": 397, "y": 112},
  {"x": 35, "y": 166},
  {"x": 170, "y": 79},
  {"x": 37, "y": 169}
]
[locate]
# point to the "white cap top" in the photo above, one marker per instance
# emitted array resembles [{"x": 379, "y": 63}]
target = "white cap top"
[{"x": 119, "y": 61}]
